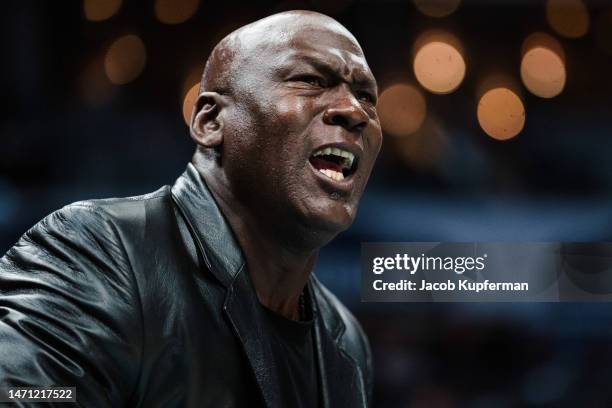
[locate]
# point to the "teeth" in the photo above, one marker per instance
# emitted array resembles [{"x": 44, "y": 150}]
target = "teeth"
[
  {"x": 348, "y": 156},
  {"x": 332, "y": 174},
  {"x": 348, "y": 159}
]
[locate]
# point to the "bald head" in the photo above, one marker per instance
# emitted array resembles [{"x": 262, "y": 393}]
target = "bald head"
[{"x": 244, "y": 46}]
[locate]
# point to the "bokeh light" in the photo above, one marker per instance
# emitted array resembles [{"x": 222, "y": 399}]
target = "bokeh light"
[
  {"x": 401, "y": 109},
  {"x": 193, "y": 76},
  {"x": 93, "y": 85},
  {"x": 190, "y": 90},
  {"x": 125, "y": 59},
  {"x": 99, "y": 10},
  {"x": 175, "y": 11},
  {"x": 543, "y": 65},
  {"x": 569, "y": 18},
  {"x": 541, "y": 39},
  {"x": 189, "y": 101},
  {"x": 438, "y": 62},
  {"x": 543, "y": 72},
  {"x": 425, "y": 148},
  {"x": 437, "y": 8},
  {"x": 501, "y": 113}
]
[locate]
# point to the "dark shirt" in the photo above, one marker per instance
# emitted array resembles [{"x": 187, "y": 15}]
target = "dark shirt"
[{"x": 294, "y": 359}]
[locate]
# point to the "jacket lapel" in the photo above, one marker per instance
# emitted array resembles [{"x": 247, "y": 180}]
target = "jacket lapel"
[
  {"x": 341, "y": 381},
  {"x": 223, "y": 258},
  {"x": 246, "y": 316},
  {"x": 214, "y": 238}
]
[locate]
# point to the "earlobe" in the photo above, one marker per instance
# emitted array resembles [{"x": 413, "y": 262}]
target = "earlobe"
[{"x": 206, "y": 121}]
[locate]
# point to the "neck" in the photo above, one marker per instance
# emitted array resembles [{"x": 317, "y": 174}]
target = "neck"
[{"x": 278, "y": 271}]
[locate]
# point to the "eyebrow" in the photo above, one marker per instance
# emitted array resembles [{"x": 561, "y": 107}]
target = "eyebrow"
[{"x": 359, "y": 75}]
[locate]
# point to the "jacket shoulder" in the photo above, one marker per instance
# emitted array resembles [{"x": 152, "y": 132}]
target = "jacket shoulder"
[
  {"x": 72, "y": 266},
  {"x": 119, "y": 208},
  {"x": 100, "y": 225}
]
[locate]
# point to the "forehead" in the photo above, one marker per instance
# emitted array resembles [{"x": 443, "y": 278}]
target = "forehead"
[
  {"x": 324, "y": 45},
  {"x": 316, "y": 43}
]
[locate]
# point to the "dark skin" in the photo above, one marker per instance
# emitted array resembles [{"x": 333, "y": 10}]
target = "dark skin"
[{"x": 273, "y": 93}]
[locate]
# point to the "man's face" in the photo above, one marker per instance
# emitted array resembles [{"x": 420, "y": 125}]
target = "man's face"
[{"x": 303, "y": 133}]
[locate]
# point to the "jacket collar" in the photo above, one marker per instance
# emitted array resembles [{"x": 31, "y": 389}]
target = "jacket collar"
[
  {"x": 224, "y": 259},
  {"x": 212, "y": 233}
]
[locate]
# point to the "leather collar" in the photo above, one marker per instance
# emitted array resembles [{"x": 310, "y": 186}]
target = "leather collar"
[{"x": 214, "y": 237}]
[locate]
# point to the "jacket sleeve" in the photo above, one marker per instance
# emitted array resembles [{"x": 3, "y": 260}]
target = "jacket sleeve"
[{"x": 69, "y": 309}]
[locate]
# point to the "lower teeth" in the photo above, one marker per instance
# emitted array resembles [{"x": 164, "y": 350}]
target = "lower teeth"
[{"x": 335, "y": 175}]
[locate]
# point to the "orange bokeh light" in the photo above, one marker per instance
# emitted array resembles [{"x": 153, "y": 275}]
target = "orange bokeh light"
[
  {"x": 569, "y": 18},
  {"x": 543, "y": 72},
  {"x": 93, "y": 84},
  {"x": 425, "y": 148},
  {"x": 189, "y": 101},
  {"x": 125, "y": 59},
  {"x": 543, "y": 65},
  {"x": 175, "y": 11},
  {"x": 438, "y": 62},
  {"x": 401, "y": 109},
  {"x": 437, "y": 8},
  {"x": 501, "y": 113},
  {"x": 99, "y": 10}
]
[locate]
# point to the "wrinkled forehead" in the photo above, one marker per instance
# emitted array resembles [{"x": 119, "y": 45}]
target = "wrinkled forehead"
[
  {"x": 324, "y": 41},
  {"x": 318, "y": 40}
]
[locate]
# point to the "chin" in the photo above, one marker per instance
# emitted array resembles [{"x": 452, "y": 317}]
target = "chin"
[{"x": 331, "y": 218}]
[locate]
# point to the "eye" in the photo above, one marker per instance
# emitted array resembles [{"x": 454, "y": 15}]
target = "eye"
[
  {"x": 367, "y": 97},
  {"x": 311, "y": 80}
]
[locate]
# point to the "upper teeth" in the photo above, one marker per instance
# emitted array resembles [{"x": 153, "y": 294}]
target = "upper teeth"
[{"x": 348, "y": 156}]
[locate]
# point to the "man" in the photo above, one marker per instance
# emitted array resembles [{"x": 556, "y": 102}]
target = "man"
[{"x": 201, "y": 294}]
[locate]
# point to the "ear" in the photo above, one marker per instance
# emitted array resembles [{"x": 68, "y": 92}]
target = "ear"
[{"x": 206, "y": 121}]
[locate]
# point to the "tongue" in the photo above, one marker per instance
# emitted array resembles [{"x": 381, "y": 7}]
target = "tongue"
[{"x": 322, "y": 164}]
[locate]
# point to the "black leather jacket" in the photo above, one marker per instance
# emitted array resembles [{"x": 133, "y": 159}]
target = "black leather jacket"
[{"x": 146, "y": 302}]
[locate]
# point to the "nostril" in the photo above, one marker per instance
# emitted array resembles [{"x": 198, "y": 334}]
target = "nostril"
[
  {"x": 348, "y": 117},
  {"x": 340, "y": 120}
]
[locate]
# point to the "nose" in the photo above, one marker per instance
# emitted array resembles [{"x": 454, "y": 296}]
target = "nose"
[{"x": 346, "y": 111}]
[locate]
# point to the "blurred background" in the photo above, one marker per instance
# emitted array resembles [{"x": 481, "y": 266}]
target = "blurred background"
[{"x": 498, "y": 127}]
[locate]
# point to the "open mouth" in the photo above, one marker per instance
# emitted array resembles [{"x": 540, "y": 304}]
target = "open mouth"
[{"x": 335, "y": 163}]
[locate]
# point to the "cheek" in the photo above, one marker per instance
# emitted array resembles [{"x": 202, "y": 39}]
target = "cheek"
[
  {"x": 290, "y": 106},
  {"x": 291, "y": 114},
  {"x": 376, "y": 137},
  {"x": 373, "y": 143},
  {"x": 264, "y": 143},
  {"x": 286, "y": 126}
]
